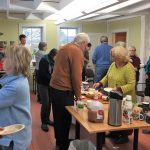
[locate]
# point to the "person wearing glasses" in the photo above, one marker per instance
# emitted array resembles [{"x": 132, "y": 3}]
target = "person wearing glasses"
[{"x": 135, "y": 60}]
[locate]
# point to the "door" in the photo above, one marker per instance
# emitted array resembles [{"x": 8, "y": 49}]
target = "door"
[{"x": 119, "y": 36}]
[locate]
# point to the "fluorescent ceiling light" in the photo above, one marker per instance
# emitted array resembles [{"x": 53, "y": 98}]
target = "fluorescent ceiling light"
[
  {"x": 119, "y": 6},
  {"x": 53, "y": 17},
  {"x": 76, "y": 7},
  {"x": 99, "y": 5},
  {"x": 88, "y": 16},
  {"x": 68, "y": 15},
  {"x": 59, "y": 21},
  {"x": 44, "y": 6}
]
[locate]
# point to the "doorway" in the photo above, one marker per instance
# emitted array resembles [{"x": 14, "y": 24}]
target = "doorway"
[{"x": 119, "y": 36}]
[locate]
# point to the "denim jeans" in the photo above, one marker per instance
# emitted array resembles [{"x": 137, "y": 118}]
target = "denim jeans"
[{"x": 100, "y": 72}]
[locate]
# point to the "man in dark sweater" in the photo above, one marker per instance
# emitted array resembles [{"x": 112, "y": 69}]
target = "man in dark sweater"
[{"x": 45, "y": 70}]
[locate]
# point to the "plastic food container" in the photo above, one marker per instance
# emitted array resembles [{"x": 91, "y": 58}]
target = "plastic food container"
[{"x": 95, "y": 112}]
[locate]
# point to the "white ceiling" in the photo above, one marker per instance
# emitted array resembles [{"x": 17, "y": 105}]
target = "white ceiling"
[{"x": 50, "y": 9}]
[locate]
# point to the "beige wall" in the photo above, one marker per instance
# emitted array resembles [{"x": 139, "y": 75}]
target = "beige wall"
[
  {"x": 10, "y": 28},
  {"x": 132, "y": 26},
  {"x": 89, "y": 26}
]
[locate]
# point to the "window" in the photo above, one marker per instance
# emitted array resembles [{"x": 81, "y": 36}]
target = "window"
[
  {"x": 35, "y": 33},
  {"x": 67, "y": 34},
  {"x": 34, "y": 36}
]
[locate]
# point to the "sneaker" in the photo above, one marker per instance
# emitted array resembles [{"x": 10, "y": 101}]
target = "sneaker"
[
  {"x": 51, "y": 123},
  {"x": 44, "y": 127},
  {"x": 121, "y": 140}
]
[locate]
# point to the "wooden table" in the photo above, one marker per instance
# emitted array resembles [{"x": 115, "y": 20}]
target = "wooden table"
[{"x": 100, "y": 128}]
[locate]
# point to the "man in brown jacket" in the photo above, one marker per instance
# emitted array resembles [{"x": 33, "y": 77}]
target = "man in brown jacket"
[{"x": 65, "y": 83}]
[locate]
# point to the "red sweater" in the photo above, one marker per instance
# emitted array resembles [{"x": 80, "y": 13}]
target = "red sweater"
[{"x": 67, "y": 73}]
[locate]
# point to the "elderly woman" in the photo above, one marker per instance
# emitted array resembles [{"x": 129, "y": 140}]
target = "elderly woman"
[
  {"x": 121, "y": 77},
  {"x": 135, "y": 60},
  {"x": 15, "y": 98}
]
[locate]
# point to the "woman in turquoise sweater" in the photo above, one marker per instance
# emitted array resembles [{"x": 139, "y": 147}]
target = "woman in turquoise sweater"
[
  {"x": 121, "y": 77},
  {"x": 15, "y": 98}
]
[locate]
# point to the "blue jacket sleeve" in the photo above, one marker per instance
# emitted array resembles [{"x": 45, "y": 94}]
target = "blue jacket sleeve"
[{"x": 94, "y": 57}]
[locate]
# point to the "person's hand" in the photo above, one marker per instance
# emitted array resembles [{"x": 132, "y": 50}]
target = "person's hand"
[
  {"x": 78, "y": 98},
  {"x": 146, "y": 76},
  {"x": 130, "y": 60},
  {"x": 95, "y": 85},
  {"x": 117, "y": 89},
  {"x": 1, "y": 129},
  {"x": 114, "y": 89},
  {"x": 135, "y": 69}
]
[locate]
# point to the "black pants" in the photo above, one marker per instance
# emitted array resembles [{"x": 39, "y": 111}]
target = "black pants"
[
  {"x": 147, "y": 89},
  {"x": 83, "y": 73},
  {"x": 62, "y": 118},
  {"x": 46, "y": 103},
  {"x": 38, "y": 93}
]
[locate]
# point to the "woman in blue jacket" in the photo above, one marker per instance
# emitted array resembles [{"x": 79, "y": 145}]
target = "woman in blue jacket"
[{"x": 15, "y": 98}]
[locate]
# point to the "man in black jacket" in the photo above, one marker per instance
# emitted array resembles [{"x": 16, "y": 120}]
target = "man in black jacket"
[{"x": 45, "y": 70}]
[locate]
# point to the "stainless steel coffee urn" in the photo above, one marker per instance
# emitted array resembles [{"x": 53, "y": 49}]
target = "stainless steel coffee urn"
[{"x": 115, "y": 108}]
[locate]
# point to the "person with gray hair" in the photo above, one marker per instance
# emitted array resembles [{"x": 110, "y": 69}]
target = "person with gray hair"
[
  {"x": 65, "y": 84},
  {"x": 135, "y": 60},
  {"x": 101, "y": 58},
  {"x": 39, "y": 54}
]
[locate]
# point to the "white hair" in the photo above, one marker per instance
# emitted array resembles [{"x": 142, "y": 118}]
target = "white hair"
[{"x": 82, "y": 37}]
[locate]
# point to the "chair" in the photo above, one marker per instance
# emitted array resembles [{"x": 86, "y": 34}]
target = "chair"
[{"x": 89, "y": 75}]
